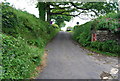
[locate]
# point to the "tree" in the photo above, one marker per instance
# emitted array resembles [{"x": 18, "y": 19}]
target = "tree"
[
  {"x": 59, "y": 19},
  {"x": 76, "y": 8},
  {"x": 84, "y": 7},
  {"x": 42, "y": 10}
]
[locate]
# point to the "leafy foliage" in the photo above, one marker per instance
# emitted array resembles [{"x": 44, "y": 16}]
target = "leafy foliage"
[
  {"x": 60, "y": 19},
  {"x": 64, "y": 8},
  {"x": 19, "y": 59},
  {"x": 24, "y": 38},
  {"x": 107, "y": 46},
  {"x": 82, "y": 34},
  {"x": 76, "y": 8},
  {"x": 110, "y": 22},
  {"x": 27, "y": 26}
]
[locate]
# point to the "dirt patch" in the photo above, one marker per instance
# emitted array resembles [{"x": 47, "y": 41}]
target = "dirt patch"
[{"x": 43, "y": 64}]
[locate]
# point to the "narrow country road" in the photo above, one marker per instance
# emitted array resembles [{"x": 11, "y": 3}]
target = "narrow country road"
[{"x": 67, "y": 60}]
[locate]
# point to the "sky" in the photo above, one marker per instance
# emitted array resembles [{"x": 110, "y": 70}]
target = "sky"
[
  {"x": 73, "y": 22},
  {"x": 25, "y": 5},
  {"x": 30, "y": 6}
]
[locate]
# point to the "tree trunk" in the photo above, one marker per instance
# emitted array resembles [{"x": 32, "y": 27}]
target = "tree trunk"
[
  {"x": 48, "y": 12},
  {"x": 42, "y": 10}
]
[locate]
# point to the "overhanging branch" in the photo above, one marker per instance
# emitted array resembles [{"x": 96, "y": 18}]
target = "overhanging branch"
[
  {"x": 61, "y": 8},
  {"x": 78, "y": 7},
  {"x": 65, "y": 14},
  {"x": 84, "y": 8},
  {"x": 65, "y": 11}
]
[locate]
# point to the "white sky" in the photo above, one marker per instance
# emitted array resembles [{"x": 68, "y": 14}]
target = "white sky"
[
  {"x": 25, "y": 5},
  {"x": 73, "y": 22},
  {"x": 29, "y": 6}
]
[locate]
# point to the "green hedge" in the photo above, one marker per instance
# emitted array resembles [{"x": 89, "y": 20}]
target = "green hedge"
[
  {"x": 110, "y": 22},
  {"x": 82, "y": 34},
  {"x": 18, "y": 23},
  {"x": 19, "y": 60},
  {"x": 24, "y": 38},
  {"x": 110, "y": 46}
]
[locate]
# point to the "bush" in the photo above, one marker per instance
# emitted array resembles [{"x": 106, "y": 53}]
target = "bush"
[
  {"x": 22, "y": 24},
  {"x": 19, "y": 59},
  {"x": 55, "y": 26},
  {"x": 24, "y": 38},
  {"x": 82, "y": 33},
  {"x": 110, "y": 22},
  {"x": 110, "y": 46}
]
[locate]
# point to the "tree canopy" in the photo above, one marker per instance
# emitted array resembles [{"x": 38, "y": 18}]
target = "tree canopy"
[{"x": 64, "y": 11}]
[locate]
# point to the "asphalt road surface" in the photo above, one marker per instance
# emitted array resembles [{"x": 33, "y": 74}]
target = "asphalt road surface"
[{"x": 67, "y": 60}]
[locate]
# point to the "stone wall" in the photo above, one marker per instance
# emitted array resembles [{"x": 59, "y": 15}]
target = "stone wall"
[{"x": 103, "y": 35}]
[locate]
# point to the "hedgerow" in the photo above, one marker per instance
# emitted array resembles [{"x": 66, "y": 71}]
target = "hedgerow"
[
  {"x": 20, "y": 23},
  {"x": 82, "y": 33},
  {"x": 19, "y": 59},
  {"x": 23, "y": 40},
  {"x": 111, "y": 22}
]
